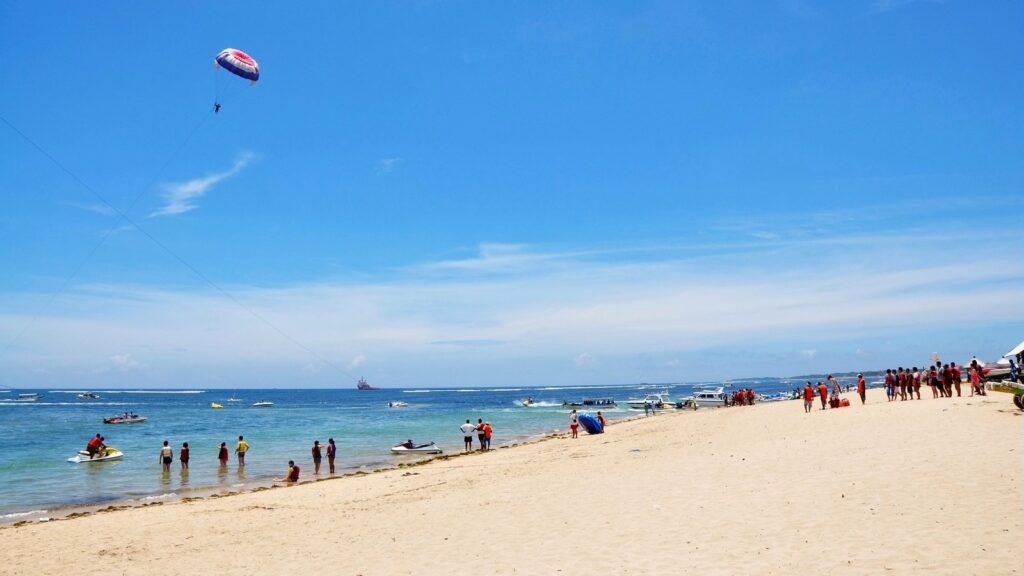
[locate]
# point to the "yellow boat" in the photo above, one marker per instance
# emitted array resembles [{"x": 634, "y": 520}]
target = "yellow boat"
[{"x": 215, "y": 406}]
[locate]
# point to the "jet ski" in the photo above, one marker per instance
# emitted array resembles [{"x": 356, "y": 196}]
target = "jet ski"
[
  {"x": 416, "y": 449},
  {"x": 108, "y": 453}
]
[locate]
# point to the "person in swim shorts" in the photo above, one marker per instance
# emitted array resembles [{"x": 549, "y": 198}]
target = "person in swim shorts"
[
  {"x": 573, "y": 423},
  {"x": 823, "y": 392},
  {"x": 467, "y": 435},
  {"x": 317, "y": 456},
  {"x": 183, "y": 456},
  {"x": 166, "y": 456},
  {"x": 241, "y": 449}
]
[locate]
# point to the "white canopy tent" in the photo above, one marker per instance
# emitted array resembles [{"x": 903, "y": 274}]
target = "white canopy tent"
[{"x": 1016, "y": 350}]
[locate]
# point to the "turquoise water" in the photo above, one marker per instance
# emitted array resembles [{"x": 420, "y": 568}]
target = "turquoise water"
[{"x": 36, "y": 479}]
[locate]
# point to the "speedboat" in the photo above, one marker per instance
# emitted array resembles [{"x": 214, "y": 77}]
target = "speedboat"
[
  {"x": 108, "y": 453},
  {"x": 89, "y": 396},
  {"x": 133, "y": 419},
  {"x": 708, "y": 397},
  {"x": 216, "y": 406},
  {"x": 657, "y": 401},
  {"x": 430, "y": 448},
  {"x": 397, "y": 404},
  {"x": 263, "y": 404},
  {"x": 591, "y": 403},
  {"x": 28, "y": 397}
]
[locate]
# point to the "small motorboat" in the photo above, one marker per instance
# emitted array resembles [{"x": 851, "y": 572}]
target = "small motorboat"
[
  {"x": 263, "y": 404},
  {"x": 656, "y": 401},
  {"x": 131, "y": 419},
  {"x": 430, "y": 448},
  {"x": 216, "y": 406},
  {"x": 398, "y": 404},
  {"x": 108, "y": 453},
  {"x": 28, "y": 397},
  {"x": 590, "y": 403},
  {"x": 233, "y": 399},
  {"x": 88, "y": 396}
]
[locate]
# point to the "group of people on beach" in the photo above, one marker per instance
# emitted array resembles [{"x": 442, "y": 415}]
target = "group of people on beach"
[
  {"x": 742, "y": 397},
  {"x": 483, "y": 433},
  {"x": 943, "y": 379},
  {"x": 822, "y": 391},
  {"x": 166, "y": 457}
]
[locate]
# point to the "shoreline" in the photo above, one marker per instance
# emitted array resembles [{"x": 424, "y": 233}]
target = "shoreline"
[{"x": 201, "y": 492}]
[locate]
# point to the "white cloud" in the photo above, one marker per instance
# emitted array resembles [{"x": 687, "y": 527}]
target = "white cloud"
[
  {"x": 180, "y": 197},
  {"x": 673, "y": 363},
  {"x": 387, "y": 165},
  {"x": 356, "y": 362},
  {"x": 125, "y": 362},
  {"x": 585, "y": 360},
  {"x": 808, "y": 353}
]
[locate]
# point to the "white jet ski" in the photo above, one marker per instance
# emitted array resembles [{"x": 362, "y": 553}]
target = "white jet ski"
[
  {"x": 108, "y": 453},
  {"x": 417, "y": 449}
]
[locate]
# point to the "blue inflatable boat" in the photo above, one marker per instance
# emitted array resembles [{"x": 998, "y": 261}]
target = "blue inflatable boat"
[{"x": 590, "y": 424}]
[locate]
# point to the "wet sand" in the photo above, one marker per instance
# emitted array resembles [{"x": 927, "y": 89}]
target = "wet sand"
[{"x": 929, "y": 486}]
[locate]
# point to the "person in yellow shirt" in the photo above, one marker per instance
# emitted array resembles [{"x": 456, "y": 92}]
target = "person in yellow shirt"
[{"x": 241, "y": 449}]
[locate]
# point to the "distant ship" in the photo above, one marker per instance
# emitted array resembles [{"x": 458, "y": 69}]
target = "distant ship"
[{"x": 362, "y": 385}]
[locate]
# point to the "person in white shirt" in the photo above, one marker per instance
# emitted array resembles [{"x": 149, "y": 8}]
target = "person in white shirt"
[{"x": 467, "y": 435}]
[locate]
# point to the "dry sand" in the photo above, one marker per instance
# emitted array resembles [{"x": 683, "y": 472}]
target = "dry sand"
[{"x": 908, "y": 487}]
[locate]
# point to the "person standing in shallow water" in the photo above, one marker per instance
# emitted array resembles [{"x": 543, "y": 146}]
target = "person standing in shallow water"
[
  {"x": 332, "y": 451},
  {"x": 166, "y": 456},
  {"x": 241, "y": 449},
  {"x": 183, "y": 456},
  {"x": 222, "y": 455},
  {"x": 317, "y": 456},
  {"x": 481, "y": 433}
]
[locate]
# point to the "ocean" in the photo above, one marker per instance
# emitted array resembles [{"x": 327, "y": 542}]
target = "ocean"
[{"x": 36, "y": 480}]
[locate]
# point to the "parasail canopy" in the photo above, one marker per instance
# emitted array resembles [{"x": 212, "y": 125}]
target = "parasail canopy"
[{"x": 238, "y": 63}]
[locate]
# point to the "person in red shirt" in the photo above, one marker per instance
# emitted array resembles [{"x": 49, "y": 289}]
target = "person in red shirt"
[
  {"x": 223, "y": 455},
  {"x": 861, "y": 388},
  {"x": 317, "y": 456},
  {"x": 332, "y": 451},
  {"x": 94, "y": 445},
  {"x": 823, "y": 392},
  {"x": 292, "y": 475},
  {"x": 808, "y": 398}
]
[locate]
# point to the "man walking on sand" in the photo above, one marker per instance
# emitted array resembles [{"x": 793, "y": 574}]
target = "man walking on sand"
[
  {"x": 861, "y": 388},
  {"x": 808, "y": 398},
  {"x": 823, "y": 392},
  {"x": 467, "y": 435}
]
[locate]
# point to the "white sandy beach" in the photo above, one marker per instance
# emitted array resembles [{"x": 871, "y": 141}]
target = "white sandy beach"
[{"x": 930, "y": 487}]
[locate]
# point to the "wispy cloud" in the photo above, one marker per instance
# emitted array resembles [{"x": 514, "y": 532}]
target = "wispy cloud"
[
  {"x": 828, "y": 303},
  {"x": 880, "y": 6},
  {"x": 180, "y": 197},
  {"x": 387, "y": 165}
]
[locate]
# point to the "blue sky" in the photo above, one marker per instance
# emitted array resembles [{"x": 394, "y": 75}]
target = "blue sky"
[{"x": 465, "y": 193}]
